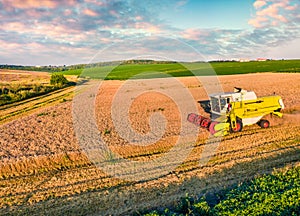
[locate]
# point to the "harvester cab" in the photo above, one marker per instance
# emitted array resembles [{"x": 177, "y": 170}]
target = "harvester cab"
[
  {"x": 231, "y": 111},
  {"x": 219, "y": 102}
]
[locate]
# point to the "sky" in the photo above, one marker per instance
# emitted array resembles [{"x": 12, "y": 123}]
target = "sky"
[{"x": 65, "y": 32}]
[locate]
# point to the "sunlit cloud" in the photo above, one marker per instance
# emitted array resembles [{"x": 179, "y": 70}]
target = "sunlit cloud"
[
  {"x": 194, "y": 34},
  {"x": 259, "y": 4},
  {"x": 272, "y": 13},
  {"x": 90, "y": 12},
  {"x": 26, "y": 4}
]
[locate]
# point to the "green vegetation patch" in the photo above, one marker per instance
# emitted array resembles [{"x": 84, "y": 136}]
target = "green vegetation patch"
[
  {"x": 139, "y": 71},
  {"x": 225, "y": 68},
  {"x": 276, "y": 194},
  {"x": 58, "y": 80},
  {"x": 10, "y": 93},
  {"x": 126, "y": 71},
  {"x": 122, "y": 70}
]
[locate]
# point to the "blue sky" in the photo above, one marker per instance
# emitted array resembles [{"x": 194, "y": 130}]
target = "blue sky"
[
  {"x": 59, "y": 32},
  {"x": 229, "y": 14}
]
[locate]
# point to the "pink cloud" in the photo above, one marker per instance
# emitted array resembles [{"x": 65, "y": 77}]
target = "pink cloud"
[
  {"x": 259, "y": 4},
  {"x": 26, "y": 4},
  {"x": 90, "y": 12},
  {"x": 194, "y": 34},
  {"x": 147, "y": 27},
  {"x": 34, "y": 46},
  {"x": 138, "y": 18},
  {"x": 68, "y": 2},
  {"x": 280, "y": 18},
  {"x": 31, "y": 4},
  {"x": 270, "y": 12},
  {"x": 96, "y": 2},
  {"x": 274, "y": 23},
  {"x": 291, "y": 8},
  {"x": 14, "y": 26},
  {"x": 258, "y": 22},
  {"x": 5, "y": 45},
  {"x": 67, "y": 12},
  {"x": 114, "y": 13},
  {"x": 34, "y": 13},
  {"x": 273, "y": 11},
  {"x": 53, "y": 31}
]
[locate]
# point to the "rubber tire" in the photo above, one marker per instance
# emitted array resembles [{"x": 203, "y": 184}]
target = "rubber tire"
[
  {"x": 264, "y": 123},
  {"x": 239, "y": 123}
]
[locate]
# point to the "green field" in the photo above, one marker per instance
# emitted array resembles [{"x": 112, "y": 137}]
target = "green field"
[
  {"x": 276, "y": 194},
  {"x": 126, "y": 71}
]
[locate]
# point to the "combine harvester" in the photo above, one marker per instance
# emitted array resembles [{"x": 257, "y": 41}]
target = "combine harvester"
[{"x": 232, "y": 111}]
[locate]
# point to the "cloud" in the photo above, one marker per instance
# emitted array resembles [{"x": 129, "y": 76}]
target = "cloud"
[
  {"x": 180, "y": 3},
  {"x": 72, "y": 31},
  {"x": 96, "y": 2},
  {"x": 28, "y": 4},
  {"x": 259, "y": 4},
  {"x": 74, "y": 20},
  {"x": 194, "y": 34},
  {"x": 276, "y": 24},
  {"x": 272, "y": 13},
  {"x": 73, "y": 24},
  {"x": 258, "y": 22},
  {"x": 90, "y": 12}
]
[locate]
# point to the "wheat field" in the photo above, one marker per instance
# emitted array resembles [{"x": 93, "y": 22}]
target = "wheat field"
[{"x": 43, "y": 169}]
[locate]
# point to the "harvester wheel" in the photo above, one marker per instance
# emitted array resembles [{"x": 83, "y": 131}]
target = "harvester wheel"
[
  {"x": 264, "y": 123},
  {"x": 239, "y": 126}
]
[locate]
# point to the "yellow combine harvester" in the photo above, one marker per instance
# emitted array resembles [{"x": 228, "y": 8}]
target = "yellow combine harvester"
[{"x": 232, "y": 111}]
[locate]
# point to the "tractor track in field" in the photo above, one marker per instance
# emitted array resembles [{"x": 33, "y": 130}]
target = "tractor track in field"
[{"x": 61, "y": 179}]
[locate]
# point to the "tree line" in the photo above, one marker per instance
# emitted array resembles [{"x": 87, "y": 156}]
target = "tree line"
[{"x": 55, "y": 68}]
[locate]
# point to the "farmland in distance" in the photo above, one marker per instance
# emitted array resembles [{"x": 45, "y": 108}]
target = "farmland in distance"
[{"x": 126, "y": 71}]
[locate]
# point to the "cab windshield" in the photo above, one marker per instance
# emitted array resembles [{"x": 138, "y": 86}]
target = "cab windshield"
[
  {"x": 215, "y": 105},
  {"x": 218, "y": 104}
]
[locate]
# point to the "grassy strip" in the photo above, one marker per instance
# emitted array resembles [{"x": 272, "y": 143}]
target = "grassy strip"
[
  {"x": 273, "y": 194},
  {"x": 10, "y": 94},
  {"x": 126, "y": 71},
  {"x": 12, "y": 110},
  {"x": 224, "y": 68},
  {"x": 33, "y": 107},
  {"x": 15, "y": 92}
]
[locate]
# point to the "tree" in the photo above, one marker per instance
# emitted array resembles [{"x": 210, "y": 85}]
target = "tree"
[{"x": 58, "y": 80}]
